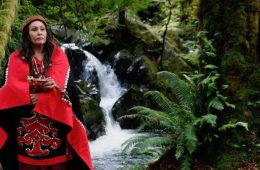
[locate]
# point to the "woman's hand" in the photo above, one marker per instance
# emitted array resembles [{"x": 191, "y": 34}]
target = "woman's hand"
[
  {"x": 34, "y": 98},
  {"x": 48, "y": 84}
]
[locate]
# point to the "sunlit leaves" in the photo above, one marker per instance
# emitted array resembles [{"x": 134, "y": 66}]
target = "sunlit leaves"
[
  {"x": 233, "y": 125},
  {"x": 92, "y": 17}
]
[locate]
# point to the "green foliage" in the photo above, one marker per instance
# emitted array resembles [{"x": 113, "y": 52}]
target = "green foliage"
[
  {"x": 93, "y": 18},
  {"x": 185, "y": 164},
  {"x": 8, "y": 10},
  {"x": 25, "y": 9},
  {"x": 152, "y": 119},
  {"x": 233, "y": 125},
  {"x": 146, "y": 144},
  {"x": 206, "y": 119},
  {"x": 162, "y": 101},
  {"x": 151, "y": 147},
  {"x": 190, "y": 138},
  {"x": 199, "y": 101},
  {"x": 183, "y": 92},
  {"x": 201, "y": 52}
]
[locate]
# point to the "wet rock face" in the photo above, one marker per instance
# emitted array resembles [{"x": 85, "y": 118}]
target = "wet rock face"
[
  {"x": 94, "y": 118},
  {"x": 92, "y": 112},
  {"x": 123, "y": 60},
  {"x": 137, "y": 72},
  {"x": 133, "y": 69},
  {"x": 76, "y": 59},
  {"x": 133, "y": 97},
  {"x": 88, "y": 93}
]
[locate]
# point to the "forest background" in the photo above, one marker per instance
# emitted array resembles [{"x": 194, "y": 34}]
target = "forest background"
[{"x": 204, "y": 55}]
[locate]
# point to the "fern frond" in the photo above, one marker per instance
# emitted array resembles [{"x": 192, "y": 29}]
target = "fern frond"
[
  {"x": 131, "y": 117},
  {"x": 185, "y": 163},
  {"x": 208, "y": 118},
  {"x": 130, "y": 143},
  {"x": 154, "y": 118},
  {"x": 183, "y": 92},
  {"x": 179, "y": 147},
  {"x": 158, "y": 141},
  {"x": 151, "y": 152},
  {"x": 216, "y": 104},
  {"x": 153, "y": 146},
  {"x": 211, "y": 67},
  {"x": 190, "y": 80},
  {"x": 191, "y": 138},
  {"x": 233, "y": 125},
  {"x": 162, "y": 101}
]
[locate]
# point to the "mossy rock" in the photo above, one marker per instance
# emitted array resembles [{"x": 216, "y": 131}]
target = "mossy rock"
[
  {"x": 142, "y": 71},
  {"x": 174, "y": 63},
  {"x": 88, "y": 90},
  {"x": 94, "y": 118},
  {"x": 123, "y": 59}
]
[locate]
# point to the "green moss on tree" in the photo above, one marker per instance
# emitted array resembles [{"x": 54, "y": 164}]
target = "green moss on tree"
[{"x": 7, "y": 15}]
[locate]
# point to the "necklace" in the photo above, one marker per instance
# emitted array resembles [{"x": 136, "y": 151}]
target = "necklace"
[{"x": 38, "y": 68}]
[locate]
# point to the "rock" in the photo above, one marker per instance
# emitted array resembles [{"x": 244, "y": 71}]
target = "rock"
[
  {"x": 123, "y": 60},
  {"x": 141, "y": 71},
  {"x": 94, "y": 118},
  {"x": 133, "y": 97},
  {"x": 76, "y": 59}
]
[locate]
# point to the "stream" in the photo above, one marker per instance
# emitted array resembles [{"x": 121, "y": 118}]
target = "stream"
[{"x": 106, "y": 150}]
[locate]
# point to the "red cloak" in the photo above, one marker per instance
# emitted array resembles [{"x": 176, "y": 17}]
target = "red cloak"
[{"x": 15, "y": 92}]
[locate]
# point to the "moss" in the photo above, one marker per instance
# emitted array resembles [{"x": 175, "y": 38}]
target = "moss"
[
  {"x": 234, "y": 63},
  {"x": 152, "y": 67},
  {"x": 230, "y": 161},
  {"x": 174, "y": 63},
  {"x": 7, "y": 16},
  {"x": 253, "y": 30},
  {"x": 245, "y": 93},
  {"x": 2, "y": 53},
  {"x": 254, "y": 79},
  {"x": 3, "y": 38},
  {"x": 91, "y": 111}
]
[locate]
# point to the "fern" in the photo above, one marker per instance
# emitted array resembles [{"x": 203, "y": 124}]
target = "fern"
[
  {"x": 198, "y": 98},
  {"x": 150, "y": 146},
  {"x": 191, "y": 138},
  {"x": 233, "y": 125},
  {"x": 131, "y": 116},
  {"x": 206, "y": 119},
  {"x": 164, "y": 103},
  {"x": 153, "y": 118},
  {"x": 185, "y": 163},
  {"x": 216, "y": 104},
  {"x": 159, "y": 141},
  {"x": 184, "y": 93},
  {"x": 179, "y": 147},
  {"x": 129, "y": 144}
]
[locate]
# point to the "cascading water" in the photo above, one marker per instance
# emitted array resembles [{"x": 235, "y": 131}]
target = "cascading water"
[{"x": 106, "y": 150}]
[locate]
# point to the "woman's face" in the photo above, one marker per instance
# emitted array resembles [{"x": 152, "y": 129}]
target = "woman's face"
[{"x": 37, "y": 33}]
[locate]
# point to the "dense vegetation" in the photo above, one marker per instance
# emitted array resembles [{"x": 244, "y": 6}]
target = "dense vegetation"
[{"x": 208, "y": 116}]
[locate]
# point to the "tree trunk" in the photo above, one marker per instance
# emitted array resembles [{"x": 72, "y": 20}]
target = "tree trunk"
[
  {"x": 234, "y": 26},
  {"x": 8, "y": 13}
]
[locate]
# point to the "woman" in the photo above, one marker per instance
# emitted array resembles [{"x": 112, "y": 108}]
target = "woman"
[{"x": 38, "y": 116}]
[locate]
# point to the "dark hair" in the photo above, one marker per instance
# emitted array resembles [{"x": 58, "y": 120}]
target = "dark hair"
[{"x": 26, "y": 50}]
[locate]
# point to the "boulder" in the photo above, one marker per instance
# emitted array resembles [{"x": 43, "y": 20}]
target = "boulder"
[
  {"x": 133, "y": 97},
  {"x": 94, "y": 118}
]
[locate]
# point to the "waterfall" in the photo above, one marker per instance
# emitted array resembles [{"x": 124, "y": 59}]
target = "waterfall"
[{"x": 106, "y": 150}]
